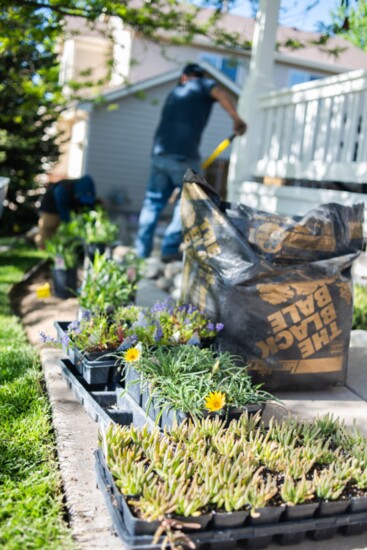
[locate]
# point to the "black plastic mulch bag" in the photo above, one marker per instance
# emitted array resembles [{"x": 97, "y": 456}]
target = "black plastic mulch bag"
[{"x": 281, "y": 285}]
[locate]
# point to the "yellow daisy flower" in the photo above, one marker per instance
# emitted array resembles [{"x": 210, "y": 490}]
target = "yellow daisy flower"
[
  {"x": 132, "y": 354},
  {"x": 215, "y": 401}
]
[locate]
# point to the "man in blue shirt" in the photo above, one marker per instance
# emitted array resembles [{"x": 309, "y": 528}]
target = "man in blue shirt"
[{"x": 175, "y": 148}]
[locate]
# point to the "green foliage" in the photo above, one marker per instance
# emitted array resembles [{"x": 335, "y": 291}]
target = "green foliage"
[
  {"x": 31, "y": 514},
  {"x": 109, "y": 283},
  {"x": 360, "y": 308},
  {"x": 63, "y": 246},
  {"x": 182, "y": 378},
  {"x": 95, "y": 332},
  {"x": 204, "y": 464},
  {"x": 95, "y": 227},
  {"x": 168, "y": 324},
  {"x": 350, "y": 22},
  {"x": 30, "y": 103}
]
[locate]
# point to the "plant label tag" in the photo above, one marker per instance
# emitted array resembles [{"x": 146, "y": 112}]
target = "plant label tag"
[
  {"x": 59, "y": 262},
  {"x": 43, "y": 291}
]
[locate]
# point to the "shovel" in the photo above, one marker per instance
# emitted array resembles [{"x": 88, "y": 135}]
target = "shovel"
[{"x": 217, "y": 151}]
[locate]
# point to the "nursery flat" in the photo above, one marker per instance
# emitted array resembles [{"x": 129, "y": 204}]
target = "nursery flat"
[{"x": 32, "y": 512}]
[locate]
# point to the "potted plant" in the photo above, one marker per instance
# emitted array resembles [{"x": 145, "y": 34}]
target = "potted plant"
[
  {"x": 187, "y": 379},
  {"x": 169, "y": 324},
  {"x": 62, "y": 248},
  {"x": 108, "y": 284},
  {"x": 95, "y": 339},
  {"x": 97, "y": 231}
]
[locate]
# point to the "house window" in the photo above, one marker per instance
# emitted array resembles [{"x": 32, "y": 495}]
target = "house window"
[
  {"x": 299, "y": 77},
  {"x": 228, "y": 65}
]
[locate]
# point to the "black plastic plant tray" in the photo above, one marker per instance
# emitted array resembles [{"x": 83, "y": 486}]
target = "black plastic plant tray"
[
  {"x": 98, "y": 400},
  {"x": 254, "y": 535}
]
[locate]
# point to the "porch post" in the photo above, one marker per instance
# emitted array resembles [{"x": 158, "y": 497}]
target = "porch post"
[{"x": 258, "y": 82}]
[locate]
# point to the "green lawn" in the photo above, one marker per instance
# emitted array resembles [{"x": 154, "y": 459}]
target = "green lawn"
[{"x": 31, "y": 510}]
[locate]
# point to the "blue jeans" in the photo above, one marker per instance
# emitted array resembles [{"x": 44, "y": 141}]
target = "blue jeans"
[{"x": 167, "y": 173}]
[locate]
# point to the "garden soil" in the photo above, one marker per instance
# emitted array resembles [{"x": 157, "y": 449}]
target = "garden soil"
[{"x": 77, "y": 435}]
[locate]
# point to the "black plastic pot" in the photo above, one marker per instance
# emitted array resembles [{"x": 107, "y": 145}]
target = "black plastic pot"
[
  {"x": 225, "y": 520},
  {"x": 234, "y": 413},
  {"x": 203, "y": 521},
  {"x": 64, "y": 282},
  {"x": 92, "y": 248},
  {"x": 136, "y": 526},
  {"x": 332, "y": 507},
  {"x": 96, "y": 367},
  {"x": 300, "y": 511},
  {"x": 267, "y": 514},
  {"x": 358, "y": 504},
  {"x": 329, "y": 508}
]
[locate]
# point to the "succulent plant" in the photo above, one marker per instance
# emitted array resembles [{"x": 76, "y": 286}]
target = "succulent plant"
[
  {"x": 260, "y": 491},
  {"x": 297, "y": 492}
]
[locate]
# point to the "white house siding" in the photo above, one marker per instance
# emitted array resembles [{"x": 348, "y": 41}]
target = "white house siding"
[{"x": 120, "y": 142}]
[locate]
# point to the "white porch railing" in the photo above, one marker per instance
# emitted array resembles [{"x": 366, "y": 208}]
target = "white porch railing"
[{"x": 316, "y": 131}]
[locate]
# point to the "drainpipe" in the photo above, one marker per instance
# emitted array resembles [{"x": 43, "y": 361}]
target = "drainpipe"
[{"x": 258, "y": 82}]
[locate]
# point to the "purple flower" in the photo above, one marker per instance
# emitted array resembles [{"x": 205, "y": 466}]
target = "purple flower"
[
  {"x": 86, "y": 315},
  {"x": 219, "y": 327},
  {"x": 74, "y": 327},
  {"x": 45, "y": 338},
  {"x": 210, "y": 326},
  {"x": 158, "y": 335},
  {"x": 141, "y": 321},
  {"x": 129, "y": 342},
  {"x": 166, "y": 306},
  {"x": 65, "y": 340}
]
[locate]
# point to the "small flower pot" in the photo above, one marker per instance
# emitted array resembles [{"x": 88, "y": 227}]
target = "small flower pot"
[
  {"x": 358, "y": 504},
  {"x": 267, "y": 514},
  {"x": 300, "y": 511},
  {"x": 227, "y": 520},
  {"x": 234, "y": 413},
  {"x": 64, "y": 283},
  {"x": 134, "y": 525},
  {"x": 92, "y": 248},
  {"x": 203, "y": 521},
  {"x": 96, "y": 367},
  {"x": 332, "y": 507}
]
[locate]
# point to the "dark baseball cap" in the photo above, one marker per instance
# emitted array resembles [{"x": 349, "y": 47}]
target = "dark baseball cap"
[{"x": 193, "y": 69}]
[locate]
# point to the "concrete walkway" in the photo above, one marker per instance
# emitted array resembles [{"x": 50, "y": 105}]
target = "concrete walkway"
[{"x": 77, "y": 434}]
